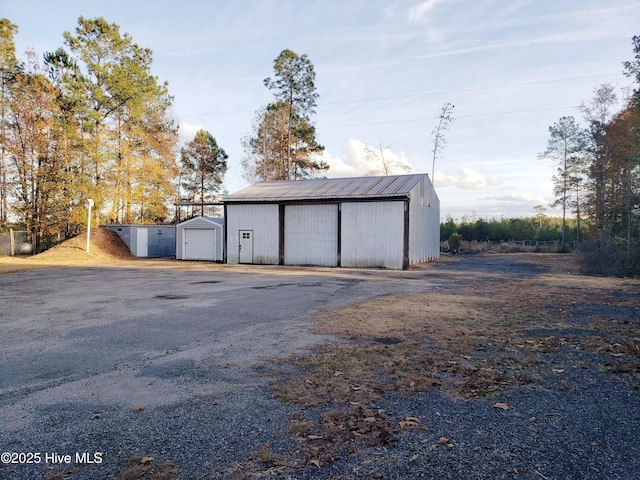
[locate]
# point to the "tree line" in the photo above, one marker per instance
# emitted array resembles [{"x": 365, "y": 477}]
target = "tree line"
[
  {"x": 87, "y": 121},
  {"x": 598, "y": 168},
  {"x": 597, "y": 182},
  {"x": 540, "y": 227},
  {"x": 91, "y": 121}
]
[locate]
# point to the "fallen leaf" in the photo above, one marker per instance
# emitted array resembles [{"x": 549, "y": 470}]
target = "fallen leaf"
[
  {"x": 96, "y": 416},
  {"x": 145, "y": 460},
  {"x": 503, "y": 406},
  {"x": 443, "y": 441},
  {"x": 414, "y": 458},
  {"x": 315, "y": 462},
  {"x": 595, "y": 443}
]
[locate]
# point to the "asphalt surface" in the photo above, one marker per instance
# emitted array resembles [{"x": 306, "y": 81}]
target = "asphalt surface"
[
  {"x": 102, "y": 368},
  {"x": 99, "y": 365}
]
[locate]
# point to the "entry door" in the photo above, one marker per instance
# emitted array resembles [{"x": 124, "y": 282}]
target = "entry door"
[
  {"x": 245, "y": 253},
  {"x": 142, "y": 242}
]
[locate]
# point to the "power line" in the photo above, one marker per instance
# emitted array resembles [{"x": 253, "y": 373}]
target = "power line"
[
  {"x": 475, "y": 89},
  {"x": 457, "y": 116},
  {"x": 424, "y": 94},
  {"x": 416, "y": 120}
]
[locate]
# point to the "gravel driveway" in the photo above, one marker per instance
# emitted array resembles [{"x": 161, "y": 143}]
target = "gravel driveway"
[
  {"x": 153, "y": 360},
  {"x": 149, "y": 367}
]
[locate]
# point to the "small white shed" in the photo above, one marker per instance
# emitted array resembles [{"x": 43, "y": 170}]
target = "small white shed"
[{"x": 200, "y": 238}]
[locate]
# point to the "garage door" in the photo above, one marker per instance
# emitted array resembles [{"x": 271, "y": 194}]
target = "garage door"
[
  {"x": 199, "y": 244},
  {"x": 311, "y": 235}
]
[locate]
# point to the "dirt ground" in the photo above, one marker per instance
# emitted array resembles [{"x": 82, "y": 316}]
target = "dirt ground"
[
  {"x": 465, "y": 333},
  {"x": 528, "y": 324},
  {"x": 104, "y": 247}
]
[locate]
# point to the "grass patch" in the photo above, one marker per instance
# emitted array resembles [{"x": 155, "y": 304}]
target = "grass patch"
[
  {"x": 148, "y": 468},
  {"x": 489, "y": 334}
]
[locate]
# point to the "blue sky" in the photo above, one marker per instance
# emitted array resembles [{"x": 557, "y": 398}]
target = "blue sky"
[{"x": 384, "y": 69}]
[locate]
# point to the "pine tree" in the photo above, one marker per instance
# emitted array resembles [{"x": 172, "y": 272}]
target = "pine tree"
[{"x": 204, "y": 164}]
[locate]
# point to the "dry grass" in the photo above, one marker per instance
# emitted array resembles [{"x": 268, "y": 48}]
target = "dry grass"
[
  {"x": 148, "y": 468},
  {"x": 486, "y": 335}
]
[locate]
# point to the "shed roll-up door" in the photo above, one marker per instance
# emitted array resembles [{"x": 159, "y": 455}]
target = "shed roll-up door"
[{"x": 199, "y": 244}]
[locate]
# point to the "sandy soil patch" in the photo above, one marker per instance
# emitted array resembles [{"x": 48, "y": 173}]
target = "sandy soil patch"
[{"x": 105, "y": 248}]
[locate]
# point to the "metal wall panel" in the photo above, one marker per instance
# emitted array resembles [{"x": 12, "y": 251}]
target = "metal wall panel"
[
  {"x": 424, "y": 223},
  {"x": 161, "y": 239},
  {"x": 372, "y": 234},
  {"x": 263, "y": 220},
  {"x": 311, "y": 235}
]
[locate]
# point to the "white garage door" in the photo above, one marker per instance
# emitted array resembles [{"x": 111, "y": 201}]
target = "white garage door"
[
  {"x": 311, "y": 235},
  {"x": 199, "y": 244}
]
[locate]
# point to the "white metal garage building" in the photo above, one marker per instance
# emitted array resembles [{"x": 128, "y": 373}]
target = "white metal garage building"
[
  {"x": 200, "y": 238},
  {"x": 388, "y": 222}
]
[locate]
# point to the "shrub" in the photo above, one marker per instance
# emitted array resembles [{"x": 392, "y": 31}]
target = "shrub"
[
  {"x": 605, "y": 257},
  {"x": 454, "y": 241}
]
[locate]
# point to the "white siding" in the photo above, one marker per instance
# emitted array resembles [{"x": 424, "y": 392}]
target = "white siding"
[
  {"x": 424, "y": 223},
  {"x": 311, "y": 235},
  {"x": 263, "y": 220},
  {"x": 372, "y": 234},
  {"x": 199, "y": 223}
]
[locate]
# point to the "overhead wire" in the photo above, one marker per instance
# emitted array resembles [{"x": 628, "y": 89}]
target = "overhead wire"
[
  {"x": 423, "y": 94},
  {"x": 414, "y": 120}
]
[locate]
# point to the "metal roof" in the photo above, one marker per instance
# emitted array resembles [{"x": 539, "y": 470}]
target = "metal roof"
[{"x": 397, "y": 186}]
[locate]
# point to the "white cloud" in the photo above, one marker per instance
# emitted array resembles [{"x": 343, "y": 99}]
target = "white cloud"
[
  {"x": 420, "y": 11},
  {"x": 187, "y": 132},
  {"x": 468, "y": 179},
  {"x": 355, "y": 163}
]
